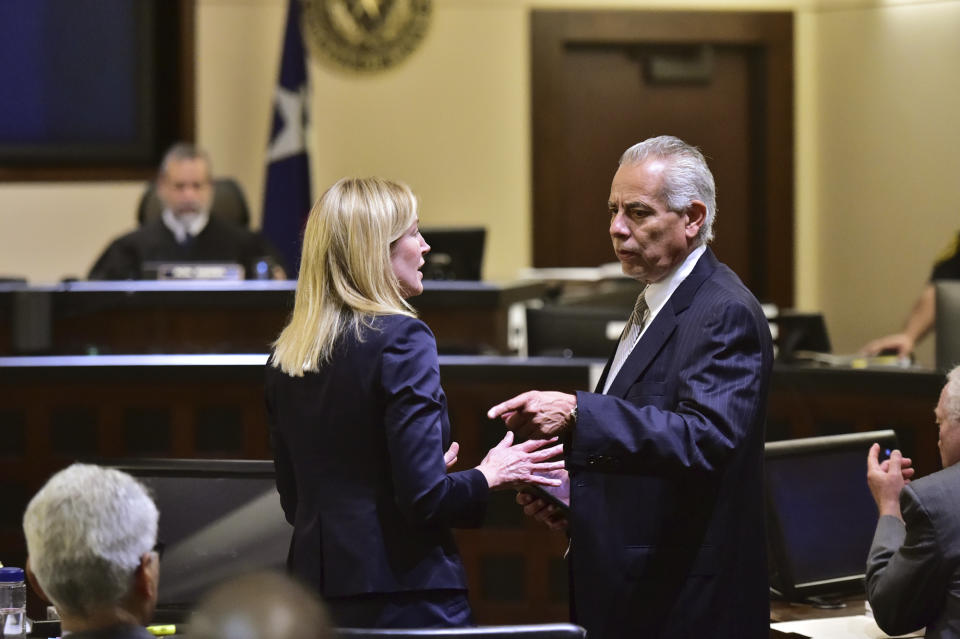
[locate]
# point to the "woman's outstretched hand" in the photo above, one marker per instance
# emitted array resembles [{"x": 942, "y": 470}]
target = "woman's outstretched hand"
[
  {"x": 507, "y": 465},
  {"x": 450, "y": 457}
]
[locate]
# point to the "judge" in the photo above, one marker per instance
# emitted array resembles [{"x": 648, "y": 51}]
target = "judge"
[{"x": 185, "y": 232}]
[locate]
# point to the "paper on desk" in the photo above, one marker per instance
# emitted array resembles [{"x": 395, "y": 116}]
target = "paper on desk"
[{"x": 858, "y": 627}]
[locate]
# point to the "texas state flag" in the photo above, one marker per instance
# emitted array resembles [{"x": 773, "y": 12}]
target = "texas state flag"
[{"x": 287, "y": 201}]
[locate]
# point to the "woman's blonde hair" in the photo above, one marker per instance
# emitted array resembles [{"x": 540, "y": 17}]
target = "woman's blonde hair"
[{"x": 346, "y": 277}]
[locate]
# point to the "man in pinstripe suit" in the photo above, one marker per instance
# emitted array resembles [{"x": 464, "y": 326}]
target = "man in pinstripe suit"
[{"x": 665, "y": 457}]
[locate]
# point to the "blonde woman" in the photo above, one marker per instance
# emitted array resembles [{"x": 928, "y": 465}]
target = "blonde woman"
[{"x": 360, "y": 428}]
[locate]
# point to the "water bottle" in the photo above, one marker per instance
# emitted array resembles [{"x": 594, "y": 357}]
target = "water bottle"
[{"x": 13, "y": 602}]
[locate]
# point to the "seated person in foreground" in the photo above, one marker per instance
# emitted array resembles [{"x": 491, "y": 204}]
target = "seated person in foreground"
[
  {"x": 185, "y": 232},
  {"x": 913, "y": 570},
  {"x": 263, "y": 605},
  {"x": 90, "y": 535}
]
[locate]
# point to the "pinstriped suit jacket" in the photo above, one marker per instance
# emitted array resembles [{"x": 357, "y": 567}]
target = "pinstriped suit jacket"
[{"x": 666, "y": 473}]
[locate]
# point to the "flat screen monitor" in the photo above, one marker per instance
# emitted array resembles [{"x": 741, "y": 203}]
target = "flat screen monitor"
[
  {"x": 798, "y": 331},
  {"x": 574, "y": 331},
  {"x": 456, "y": 253},
  {"x": 948, "y": 324},
  {"x": 820, "y": 514},
  {"x": 90, "y": 82},
  {"x": 218, "y": 519}
]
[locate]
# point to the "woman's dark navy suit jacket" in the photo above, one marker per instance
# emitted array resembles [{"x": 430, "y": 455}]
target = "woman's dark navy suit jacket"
[{"x": 359, "y": 458}]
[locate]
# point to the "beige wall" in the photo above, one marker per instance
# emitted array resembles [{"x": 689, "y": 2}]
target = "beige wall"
[
  {"x": 884, "y": 176},
  {"x": 876, "y": 101}
]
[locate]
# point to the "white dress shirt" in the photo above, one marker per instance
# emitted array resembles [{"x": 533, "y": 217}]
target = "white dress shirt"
[
  {"x": 187, "y": 224},
  {"x": 657, "y": 294}
]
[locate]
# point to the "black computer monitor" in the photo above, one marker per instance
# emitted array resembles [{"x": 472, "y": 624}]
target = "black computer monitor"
[
  {"x": 218, "y": 519},
  {"x": 456, "y": 253},
  {"x": 574, "y": 331},
  {"x": 820, "y": 514},
  {"x": 799, "y": 331}
]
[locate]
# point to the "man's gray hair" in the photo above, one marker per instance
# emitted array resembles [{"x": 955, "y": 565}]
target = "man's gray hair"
[
  {"x": 953, "y": 395},
  {"x": 687, "y": 176},
  {"x": 185, "y": 151},
  {"x": 86, "y": 532}
]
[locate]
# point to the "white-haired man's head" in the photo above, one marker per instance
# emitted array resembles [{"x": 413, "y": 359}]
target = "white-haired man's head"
[
  {"x": 90, "y": 534},
  {"x": 948, "y": 419},
  {"x": 686, "y": 176}
]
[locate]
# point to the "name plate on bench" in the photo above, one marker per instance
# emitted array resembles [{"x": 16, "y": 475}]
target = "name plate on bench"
[{"x": 198, "y": 271}]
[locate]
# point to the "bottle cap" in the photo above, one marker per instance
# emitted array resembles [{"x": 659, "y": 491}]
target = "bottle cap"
[{"x": 10, "y": 574}]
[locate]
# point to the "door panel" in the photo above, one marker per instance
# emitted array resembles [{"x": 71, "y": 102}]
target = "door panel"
[{"x": 596, "y": 91}]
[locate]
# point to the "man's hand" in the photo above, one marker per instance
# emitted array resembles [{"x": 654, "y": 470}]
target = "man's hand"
[
  {"x": 887, "y": 479},
  {"x": 540, "y": 510},
  {"x": 536, "y": 414}
]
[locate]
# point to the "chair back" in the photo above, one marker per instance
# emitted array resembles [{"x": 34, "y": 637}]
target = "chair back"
[
  {"x": 947, "y": 324},
  {"x": 531, "y": 631},
  {"x": 229, "y": 203}
]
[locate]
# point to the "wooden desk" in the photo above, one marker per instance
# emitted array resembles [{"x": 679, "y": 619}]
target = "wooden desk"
[
  {"x": 54, "y": 410},
  {"x": 857, "y": 625},
  {"x": 786, "y": 611},
  {"x": 806, "y": 401},
  {"x": 222, "y": 317}
]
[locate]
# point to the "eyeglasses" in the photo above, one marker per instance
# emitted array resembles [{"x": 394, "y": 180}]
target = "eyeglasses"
[{"x": 159, "y": 548}]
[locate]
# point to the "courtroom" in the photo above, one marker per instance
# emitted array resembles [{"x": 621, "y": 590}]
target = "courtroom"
[{"x": 503, "y": 319}]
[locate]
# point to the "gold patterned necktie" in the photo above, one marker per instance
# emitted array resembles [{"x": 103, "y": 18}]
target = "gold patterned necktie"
[{"x": 629, "y": 338}]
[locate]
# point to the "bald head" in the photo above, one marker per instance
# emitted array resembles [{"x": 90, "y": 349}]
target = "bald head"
[{"x": 264, "y": 605}]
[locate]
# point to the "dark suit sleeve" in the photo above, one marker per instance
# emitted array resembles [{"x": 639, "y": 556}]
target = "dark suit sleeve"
[
  {"x": 906, "y": 571},
  {"x": 414, "y": 418},
  {"x": 120, "y": 261},
  {"x": 717, "y": 402},
  {"x": 282, "y": 461}
]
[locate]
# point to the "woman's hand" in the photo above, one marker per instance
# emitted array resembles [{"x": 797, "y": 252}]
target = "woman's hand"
[
  {"x": 508, "y": 466},
  {"x": 450, "y": 457}
]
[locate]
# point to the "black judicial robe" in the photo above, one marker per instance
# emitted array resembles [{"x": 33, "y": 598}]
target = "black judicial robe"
[{"x": 219, "y": 241}]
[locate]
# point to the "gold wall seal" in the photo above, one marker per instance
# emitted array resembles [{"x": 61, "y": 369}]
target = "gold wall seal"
[{"x": 365, "y": 35}]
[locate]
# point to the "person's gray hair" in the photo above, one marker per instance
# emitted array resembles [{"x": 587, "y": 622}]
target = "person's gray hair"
[
  {"x": 953, "y": 395},
  {"x": 686, "y": 178},
  {"x": 86, "y": 532},
  {"x": 185, "y": 151}
]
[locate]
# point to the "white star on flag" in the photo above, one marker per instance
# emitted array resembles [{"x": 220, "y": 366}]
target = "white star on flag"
[{"x": 290, "y": 106}]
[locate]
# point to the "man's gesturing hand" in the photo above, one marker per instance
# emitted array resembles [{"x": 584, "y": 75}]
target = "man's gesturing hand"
[{"x": 536, "y": 414}]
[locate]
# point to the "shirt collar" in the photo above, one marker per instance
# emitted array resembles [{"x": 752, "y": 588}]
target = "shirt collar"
[
  {"x": 182, "y": 226},
  {"x": 657, "y": 293}
]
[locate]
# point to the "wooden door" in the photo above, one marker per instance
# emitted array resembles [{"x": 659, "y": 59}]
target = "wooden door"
[{"x": 605, "y": 80}]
